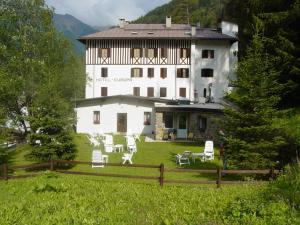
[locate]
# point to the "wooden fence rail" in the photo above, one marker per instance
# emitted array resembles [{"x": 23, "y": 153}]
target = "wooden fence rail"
[{"x": 53, "y": 164}]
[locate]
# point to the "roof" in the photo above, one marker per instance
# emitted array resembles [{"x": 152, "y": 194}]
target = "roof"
[
  {"x": 86, "y": 100},
  {"x": 158, "y": 31},
  {"x": 162, "y": 105},
  {"x": 207, "y": 107}
]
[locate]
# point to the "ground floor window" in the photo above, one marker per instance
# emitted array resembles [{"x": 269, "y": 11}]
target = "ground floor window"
[
  {"x": 202, "y": 123},
  {"x": 168, "y": 120},
  {"x": 147, "y": 118},
  {"x": 96, "y": 117}
]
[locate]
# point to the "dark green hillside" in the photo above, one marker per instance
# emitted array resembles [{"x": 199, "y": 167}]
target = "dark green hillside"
[
  {"x": 72, "y": 28},
  {"x": 183, "y": 11}
]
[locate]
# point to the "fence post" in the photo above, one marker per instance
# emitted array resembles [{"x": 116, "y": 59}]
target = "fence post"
[
  {"x": 51, "y": 164},
  {"x": 4, "y": 171},
  {"x": 161, "y": 177},
  {"x": 219, "y": 171},
  {"x": 272, "y": 173}
]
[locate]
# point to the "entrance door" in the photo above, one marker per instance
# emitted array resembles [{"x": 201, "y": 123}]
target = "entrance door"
[
  {"x": 122, "y": 122},
  {"x": 182, "y": 126}
]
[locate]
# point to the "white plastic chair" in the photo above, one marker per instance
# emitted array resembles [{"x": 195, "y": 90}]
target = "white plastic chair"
[
  {"x": 127, "y": 157},
  {"x": 209, "y": 150},
  {"x": 182, "y": 159},
  {"x": 97, "y": 158},
  {"x": 131, "y": 145},
  {"x": 109, "y": 143}
]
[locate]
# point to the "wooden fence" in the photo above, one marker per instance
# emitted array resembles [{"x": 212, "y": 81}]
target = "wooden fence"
[{"x": 53, "y": 166}]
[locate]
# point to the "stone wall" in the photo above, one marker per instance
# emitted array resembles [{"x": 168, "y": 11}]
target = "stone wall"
[
  {"x": 159, "y": 126},
  {"x": 212, "y": 126}
]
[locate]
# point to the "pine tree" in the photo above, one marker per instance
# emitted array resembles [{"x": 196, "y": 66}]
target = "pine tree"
[{"x": 252, "y": 140}]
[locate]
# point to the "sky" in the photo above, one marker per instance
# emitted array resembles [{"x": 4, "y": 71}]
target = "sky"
[{"x": 104, "y": 12}]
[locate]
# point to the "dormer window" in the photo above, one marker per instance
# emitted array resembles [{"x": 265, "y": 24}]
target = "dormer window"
[
  {"x": 208, "y": 54},
  {"x": 184, "y": 53},
  {"x": 104, "y": 52}
]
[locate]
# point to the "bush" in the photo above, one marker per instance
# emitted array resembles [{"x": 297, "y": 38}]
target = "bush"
[{"x": 287, "y": 186}]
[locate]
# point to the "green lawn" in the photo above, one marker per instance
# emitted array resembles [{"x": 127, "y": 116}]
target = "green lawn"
[{"x": 152, "y": 153}]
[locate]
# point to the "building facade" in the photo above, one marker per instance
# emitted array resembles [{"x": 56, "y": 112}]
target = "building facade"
[{"x": 156, "y": 78}]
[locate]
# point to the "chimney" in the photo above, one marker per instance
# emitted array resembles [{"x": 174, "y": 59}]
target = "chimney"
[
  {"x": 122, "y": 23},
  {"x": 168, "y": 21},
  {"x": 193, "y": 31}
]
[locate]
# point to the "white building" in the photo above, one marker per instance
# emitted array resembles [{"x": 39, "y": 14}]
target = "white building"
[{"x": 156, "y": 78}]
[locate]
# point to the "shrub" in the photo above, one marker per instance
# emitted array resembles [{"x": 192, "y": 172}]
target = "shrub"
[{"x": 287, "y": 186}]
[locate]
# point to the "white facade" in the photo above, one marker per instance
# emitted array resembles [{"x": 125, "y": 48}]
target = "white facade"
[
  {"x": 210, "y": 58},
  {"x": 109, "y": 110}
]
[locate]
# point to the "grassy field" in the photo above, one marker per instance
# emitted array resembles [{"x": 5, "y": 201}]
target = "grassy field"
[
  {"x": 153, "y": 153},
  {"x": 68, "y": 199}
]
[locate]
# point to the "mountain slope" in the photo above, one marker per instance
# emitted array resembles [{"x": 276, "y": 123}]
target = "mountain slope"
[
  {"x": 72, "y": 28},
  {"x": 185, "y": 11}
]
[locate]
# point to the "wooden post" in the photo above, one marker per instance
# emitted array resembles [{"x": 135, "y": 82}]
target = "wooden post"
[
  {"x": 51, "y": 164},
  {"x": 161, "y": 177},
  {"x": 272, "y": 174},
  {"x": 219, "y": 171},
  {"x": 4, "y": 171}
]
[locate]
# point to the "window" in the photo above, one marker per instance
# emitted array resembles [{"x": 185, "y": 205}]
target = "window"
[
  {"x": 151, "y": 52},
  {"x": 163, "y": 92},
  {"x": 103, "y": 72},
  {"x": 136, "y": 53},
  {"x": 164, "y": 53},
  {"x": 208, "y": 54},
  {"x": 147, "y": 118},
  {"x": 184, "y": 53},
  {"x": 183, "y": 73},
  {"x": 96, "y": 117},
  {"x": 150, "y": 92},
  {"x": 136, "y": 72},
  {"x": 163, "y": 73},
  {"x": 207, "y": 73},
  {"x": 103, "y": 91},
  {"x": 150, "y": 72},
  {"x": 136, "y": 91},
  {"x": 202, "y": 123},
  {"x": 168, "y": 120},
  {"x": 182, "y": 92},
  {"x": 104, "y": 52}
]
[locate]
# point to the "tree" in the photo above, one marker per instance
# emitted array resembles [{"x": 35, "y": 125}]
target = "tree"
[
  {"x": 51, "y": 121},
  {"x": 252, "y": 140},
  {"x": 31, "y": 53},
  {"x": 40, "y": 75},
  {"x": 280, "y": 21}
]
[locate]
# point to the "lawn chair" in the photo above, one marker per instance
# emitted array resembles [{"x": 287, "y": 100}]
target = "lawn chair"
[
  {"x": 209, "y": 150},
  {"x": 131, "y": 145},
  {"x": 184, "y": 158},
  {"x": 191, "y": 136},
  {"x": 93, "y": 140},
  {"x": 127, "y": 158},
  {"x": 109, "y": 143},
  {"x": 97, "y": 159}
]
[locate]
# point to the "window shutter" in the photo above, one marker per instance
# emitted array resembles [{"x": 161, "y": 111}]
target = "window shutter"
[
  {"x": 132, "y": 72},
  {"x": 131, "y": 52},
  {"x": 179, "y": 72},
  {"x": 188, "y": 52},
  {"x": 181, "y": 53},
  {"x": 146, "y": 53},
  {"x": 187, "y": 72},
  {"x": 212, "y": 54},
  {"x": 155, "y": 53},
  {"x": 141, "y": 72},
  {"x": 108, "y": 52},
  {"x": 99, "y": 52},
  {"x": 141, "y": 52}
]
